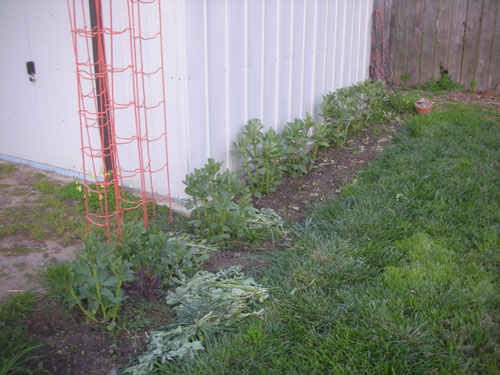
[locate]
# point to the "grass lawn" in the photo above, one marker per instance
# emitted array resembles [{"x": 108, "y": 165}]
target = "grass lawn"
[{"x": 400, "y": 275}]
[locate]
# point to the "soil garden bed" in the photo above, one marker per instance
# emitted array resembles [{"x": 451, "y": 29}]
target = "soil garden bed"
[{"x": 75, "y": 346}]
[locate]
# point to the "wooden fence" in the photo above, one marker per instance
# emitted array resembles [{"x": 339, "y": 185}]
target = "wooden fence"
[{"x": 461, "y": 36}]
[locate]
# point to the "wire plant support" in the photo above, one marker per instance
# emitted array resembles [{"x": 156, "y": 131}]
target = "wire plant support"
[
  {"x": 122, "y": 108},
  {"x": 377, "y": 59}
]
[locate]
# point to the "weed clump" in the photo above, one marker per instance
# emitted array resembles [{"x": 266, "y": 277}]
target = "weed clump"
[{"x": 444, "y": 83}]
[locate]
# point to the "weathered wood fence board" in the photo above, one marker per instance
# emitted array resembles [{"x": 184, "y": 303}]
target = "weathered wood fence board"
[
  {"x": 416, "y": 32},
  {"x": 485, "y": 43},
  {"x": 494, "y": 76},
  {"x": 422, "y": 37},
  {"x": 443, "y": 37},
  {"x": 400, "y": 53},
  {"x": 428, "y": 47}
]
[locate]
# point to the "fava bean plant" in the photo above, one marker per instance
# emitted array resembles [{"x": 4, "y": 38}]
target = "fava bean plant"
[
  {"x": 96, "y": 281},
  {"x": 261, "y": 154},
  {"x": 160, "y": 260},
  {"x": 297, "y": 140},
  {"x": 221, "y": 202},
  {"x": 349, "y": 109},
  {"x": 145, "y": 262}
]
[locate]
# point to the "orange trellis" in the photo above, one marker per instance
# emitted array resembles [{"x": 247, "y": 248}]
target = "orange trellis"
[
  {"x": 377, "y": 51},
  {"x": 121, "y": 96}
]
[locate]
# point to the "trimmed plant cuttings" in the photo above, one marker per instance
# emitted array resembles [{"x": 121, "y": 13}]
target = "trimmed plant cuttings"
[{"x": 206, "y": 304}]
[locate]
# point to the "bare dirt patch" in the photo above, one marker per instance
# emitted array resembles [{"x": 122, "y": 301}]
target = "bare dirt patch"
[
  {"x": 464, "y": 97},
  {"x": 78, "y": 347},
  {"x": 22, "y": 253}
]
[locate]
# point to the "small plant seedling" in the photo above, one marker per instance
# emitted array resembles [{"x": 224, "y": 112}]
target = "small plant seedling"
[{"x": 405, "y": 77}]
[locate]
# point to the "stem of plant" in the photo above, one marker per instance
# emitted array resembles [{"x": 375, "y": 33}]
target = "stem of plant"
[
  {"x": 198, "y": 214},
  {"x": 255, "y": 156},
  {"x": 85, "y": 312},
  {"x": 98, "y": 292},
  {"x": 118, "y": 286}
]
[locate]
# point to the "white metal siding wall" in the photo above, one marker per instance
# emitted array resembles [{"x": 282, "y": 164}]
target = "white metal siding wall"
[
  {"x": 270, "y": 59},
  {"x": 39, "y": 120},
  {"x": 226, "y": 61}
]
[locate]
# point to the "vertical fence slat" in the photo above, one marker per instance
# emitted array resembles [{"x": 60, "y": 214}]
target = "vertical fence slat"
[
  {"x": 494, "y": 76},
  {"x": 471, "y": 42},
  {"x": 391, "y": 40},
  {"x": 429, "y": 41},
  {"x": 415, "y": 40},
  {"x": 443, "y": 36},
  {"x": 387, "y": 5},
  {"x": 485, "y": 43},
  {"x": 401, "y": 46},
  {"x": 457, "y": 39}
]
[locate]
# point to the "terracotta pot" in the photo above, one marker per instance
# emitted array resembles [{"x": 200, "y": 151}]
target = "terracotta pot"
[{"x": 423, "y": 106}]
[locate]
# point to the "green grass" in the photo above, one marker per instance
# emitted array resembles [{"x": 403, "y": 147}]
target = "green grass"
[
  {"x": 59, "y": 213},
  {"x": 57, "y": 277},
  {"x": 7, "y": 168},
  {"x": 50, "y": 217},
  {"x": 16, "y": 346},
  {"x": 397, "y": 276}
]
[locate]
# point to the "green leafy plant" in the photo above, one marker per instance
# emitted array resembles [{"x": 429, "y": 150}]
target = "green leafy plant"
[
  {"x": 349, "y": 109},
  {"x": 374, "y": 98},
  {"x": 340, "y": 110},
  {"x": 273, "y": 150},
  {"x": 221, "y": 202},
  {"x": 444, "y": 83},
  {"x": 473, "y": 84},
  {"x": 319, "y": 139},
  {"x": 404, "y": 102},
  {"x": 159, "y": 260},
  {"x": 405, "y": 77},
  {"x": 296, "y": 138},
  {"x": 262, "y": 154},
  {"x": 248, "y": 146},
  {"x": 97, "y": 277},
  {"x": 16, "y": 306}
]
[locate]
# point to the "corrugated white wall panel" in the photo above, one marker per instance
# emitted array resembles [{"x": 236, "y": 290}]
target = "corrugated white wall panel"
[
  {"x": 226, "y": 61},
  {"x": 270, "y": 59},
  {"x": 39, "y": 119}
]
